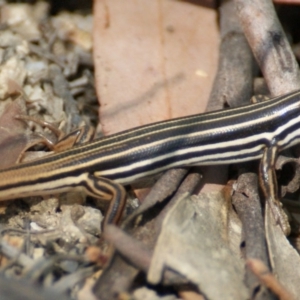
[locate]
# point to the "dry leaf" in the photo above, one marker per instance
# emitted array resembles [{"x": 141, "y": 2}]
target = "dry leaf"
[
  {"x": 194, "y": 242},
  {"x": 154, "y": 60},
  {"x": 284, "y": 258}
]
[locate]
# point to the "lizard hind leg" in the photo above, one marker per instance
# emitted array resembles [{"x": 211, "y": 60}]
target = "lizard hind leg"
[{"x": 268, "y": 183}]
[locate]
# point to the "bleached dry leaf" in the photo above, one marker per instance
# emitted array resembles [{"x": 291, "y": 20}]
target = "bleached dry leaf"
[
  {"x": 22, "y": 18},
  {"x": 75, "y": 28},
  {"x": 12, "y": 69},
  {"x": 45, "y": 100},
  {"x": 145, "y": 293},
  {"x": 194, "y": 242},
  {"x": 284, "y": 258}
]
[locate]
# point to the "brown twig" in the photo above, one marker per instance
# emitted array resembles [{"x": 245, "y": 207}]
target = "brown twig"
[
  {"x": 268, "y": 279},
  {"x": 269, "y": 45},
  {"x": 163, "y": 188},
  {"x": 247, "y": 204},
  {"x": 233, "y": 82},
  {"x": 133, "y": 250},
  {"x": 120, "y": 274}
]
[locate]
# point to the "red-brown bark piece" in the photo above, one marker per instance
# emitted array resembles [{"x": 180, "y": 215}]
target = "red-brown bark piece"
[{"x": 154, "y": 60}]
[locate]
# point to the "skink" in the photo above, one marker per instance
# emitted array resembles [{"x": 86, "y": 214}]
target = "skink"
[{"x": 100, "y": 168}]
